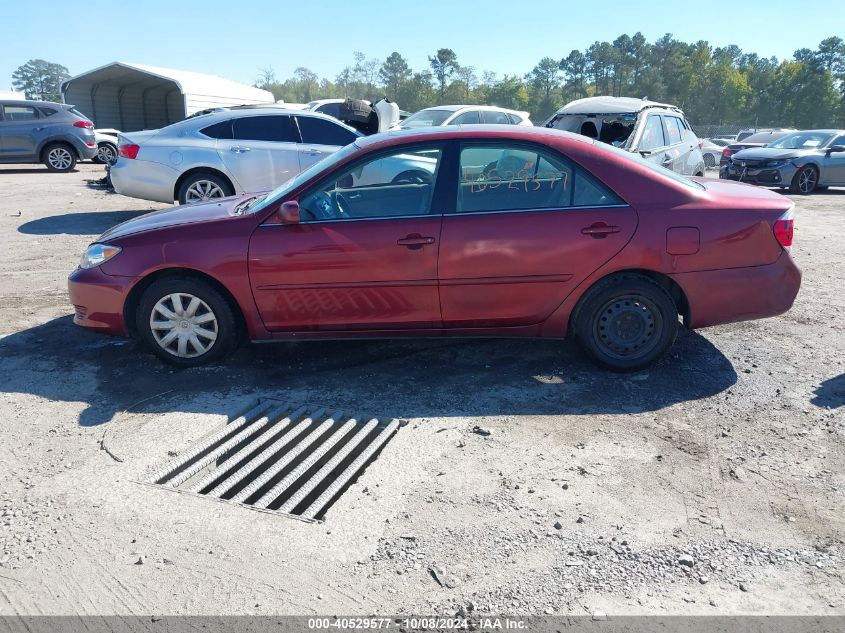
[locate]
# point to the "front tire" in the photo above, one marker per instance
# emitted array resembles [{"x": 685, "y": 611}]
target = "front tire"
[
  {"x": 59, "y": 158},
  {"x": 186, "y": 322},
  {"x": 626, "y": 322},
  {"x": 805, "y": 181},
  {"x": 203, "y": 187}
]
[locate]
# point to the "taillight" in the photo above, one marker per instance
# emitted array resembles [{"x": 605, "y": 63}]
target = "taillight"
[
  {"x": 726, "y": 154},
  {"x": 85, "y": 124},
  {"x": 128, "y": 151},
  {"x": 783, "y": 229}
]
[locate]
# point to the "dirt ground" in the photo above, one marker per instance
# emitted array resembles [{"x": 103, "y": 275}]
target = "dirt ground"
[{"x": 711, "y": 484}]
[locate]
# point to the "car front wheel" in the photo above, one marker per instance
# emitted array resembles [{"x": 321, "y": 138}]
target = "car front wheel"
[
  {"x": 805, "y": 180},
  {"x": 626, "y": 322},
  {"x": 186, "y": 321}
]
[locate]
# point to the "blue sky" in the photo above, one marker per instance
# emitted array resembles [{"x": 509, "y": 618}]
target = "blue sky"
[{"x": 236, "y": 39}]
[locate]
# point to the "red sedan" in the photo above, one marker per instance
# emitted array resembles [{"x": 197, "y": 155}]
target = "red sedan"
[{"x": 479, "y": 231}]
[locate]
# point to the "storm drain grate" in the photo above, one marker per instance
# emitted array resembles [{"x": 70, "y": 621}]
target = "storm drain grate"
[{"x": 296, "y": 460}]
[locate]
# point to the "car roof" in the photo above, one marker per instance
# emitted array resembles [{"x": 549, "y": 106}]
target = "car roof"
[
  {"x": 27, "y": 102},
  {"x": 211, "y": 118},
  {"x": 456, "y": 107},
  {"x": 493, "y": 132},
  {"x": 612, "y": 105}
]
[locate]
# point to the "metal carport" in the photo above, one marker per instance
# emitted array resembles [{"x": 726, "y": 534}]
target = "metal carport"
[{"x": 133, "y": 97}]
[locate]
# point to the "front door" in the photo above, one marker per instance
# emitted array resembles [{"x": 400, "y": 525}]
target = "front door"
[
  {"x": 528, "y": 228},
  {"x": 320, "y": 137},
  {"x": 833, "y": 165},
  {"x": 363, "y": 257},
  {"x": 262, "y": 152}
]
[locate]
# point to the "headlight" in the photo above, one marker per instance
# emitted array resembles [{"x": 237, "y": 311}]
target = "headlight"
[
  {"x": 97, "y": 254},
  {"x": 776, "y": 163}
]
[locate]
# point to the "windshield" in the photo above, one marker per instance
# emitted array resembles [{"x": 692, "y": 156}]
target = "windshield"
[
  {"x": 426, "y": 118},
  {"x": 802, "y": 140},
  {"x": 634, "y": 156},
  {"x": 328, "y": 162}
]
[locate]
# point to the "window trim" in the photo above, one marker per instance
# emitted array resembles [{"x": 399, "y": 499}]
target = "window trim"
[
  {"x": 536, "y": 147},
  {"x": 437, "y": 194}
]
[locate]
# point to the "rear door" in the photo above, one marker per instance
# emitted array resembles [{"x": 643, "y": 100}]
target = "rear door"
[
  {"x": 262, "y": 151},
  {"x": 19, "y": 129},
  {"x": 364, "y": 257},
  {"x": 527, "y": 228},
  {"x": 320, "y": 137}
]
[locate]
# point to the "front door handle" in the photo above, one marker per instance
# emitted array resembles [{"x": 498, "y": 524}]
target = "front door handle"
[
  {"x": 667, "y": 160},
  {"x": 415, "y": 241},
  {"x": 238, "y": 149},
  {"x": 599, "y": 230},
  {"x": 313, "y": 152}
]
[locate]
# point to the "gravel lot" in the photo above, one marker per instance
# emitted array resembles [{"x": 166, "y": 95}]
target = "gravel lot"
[{"x": 712, "y": 483}]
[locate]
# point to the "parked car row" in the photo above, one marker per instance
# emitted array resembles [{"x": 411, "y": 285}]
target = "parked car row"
[{"x": 800, "y": 161}]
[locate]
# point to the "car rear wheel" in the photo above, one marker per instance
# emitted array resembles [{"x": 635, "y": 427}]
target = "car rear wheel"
[
  {"x": 59, "y": 157},
  {"x": 709, "y": 161},
  {"x": 202, "y": 187},
  {"x": 186, "y": 322},
  {"x": 106, "y": 154},
  {"x": 805, "y": 180},
  {"x": 626, "y": 322}
]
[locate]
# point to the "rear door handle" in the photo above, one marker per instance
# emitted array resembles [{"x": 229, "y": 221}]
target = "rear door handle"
[
  {"x": 238, "y": 149},
  {"x": 415, "y": 241},
  {"x": 599, "y": 230},
  {"x": 313, "y": 152}
]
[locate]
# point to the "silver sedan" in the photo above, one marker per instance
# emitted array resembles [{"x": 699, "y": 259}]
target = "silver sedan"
[{"x": 224, "y": 153}]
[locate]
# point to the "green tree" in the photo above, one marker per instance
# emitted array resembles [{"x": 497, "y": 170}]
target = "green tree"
[
  {"x": 543, "y": 85},
  {"x": 443, "y": 66},
  {"x": 394, "y": 72},
  {"x": 39, "y": 79}
]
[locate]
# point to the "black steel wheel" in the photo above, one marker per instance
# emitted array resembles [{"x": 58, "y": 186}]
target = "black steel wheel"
[{"x": 626, "y": 322}]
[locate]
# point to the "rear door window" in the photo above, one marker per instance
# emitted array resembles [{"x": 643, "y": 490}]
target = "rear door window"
[
  {"x": 673, "y": 130},
  {"x": 500, "y": 118},
  {"x": 331, "y": 109},
  {"x": 316, "y": 131},
  {"x": 652, "y": 136},
  {"x": 275, "y": 128},
  {"x": 467, "y": 118}
]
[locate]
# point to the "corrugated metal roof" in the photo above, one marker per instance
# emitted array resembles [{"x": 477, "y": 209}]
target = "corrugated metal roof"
[{"x": 191, "y": 83}]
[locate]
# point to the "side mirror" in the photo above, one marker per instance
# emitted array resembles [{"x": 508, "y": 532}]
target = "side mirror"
[
  {"x": 289, "y": 212},
  {"x": 836, "y": 148}
]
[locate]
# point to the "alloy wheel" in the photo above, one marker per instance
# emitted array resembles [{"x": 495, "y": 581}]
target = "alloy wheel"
[
  {"x": 203, "y": 191},
  {"x": 807, "y": 180},
  {"x": 60, "y": 158},
  {"x": 183, "y": 325},
  {"x": 106, "y": 154}
]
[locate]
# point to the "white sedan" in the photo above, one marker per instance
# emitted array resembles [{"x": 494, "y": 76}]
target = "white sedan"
[{"x": 464, "y": 115}]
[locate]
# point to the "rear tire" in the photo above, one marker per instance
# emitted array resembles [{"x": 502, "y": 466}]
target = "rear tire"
[
  {"x": 59, "y": 157},
  {"x": 203, "y": 187},
  {"x": 625, "y": 322},
  {"x": 805, "y": 181},
  {"x": 186, "y": 322},
  {"x": 709, "y": 161}
]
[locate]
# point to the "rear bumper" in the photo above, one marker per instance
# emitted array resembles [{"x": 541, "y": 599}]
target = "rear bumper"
[
  {"x": 98, "y": 300},
  {"x": 144, "y": 179},
  {"x": 740, "y": 294}
]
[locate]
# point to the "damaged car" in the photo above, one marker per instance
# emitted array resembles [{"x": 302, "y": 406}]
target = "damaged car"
[{"x": 659, "y": 132}]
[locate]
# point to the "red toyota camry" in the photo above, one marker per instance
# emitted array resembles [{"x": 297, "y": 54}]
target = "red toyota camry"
[{"x": 459, "y": 231}]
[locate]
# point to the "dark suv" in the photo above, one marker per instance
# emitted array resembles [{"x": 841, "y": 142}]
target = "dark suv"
[{"x": 44, "y": 132}]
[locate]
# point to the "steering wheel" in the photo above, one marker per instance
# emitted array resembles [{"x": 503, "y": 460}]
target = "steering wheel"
[{"x": 341, "y": 204}]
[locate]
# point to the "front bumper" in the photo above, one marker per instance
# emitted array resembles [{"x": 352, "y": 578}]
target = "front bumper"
[
  {"x": 740, "y": 294},
  {"x": 98, "y": 300},
  {"x": 759, "y": 175}
]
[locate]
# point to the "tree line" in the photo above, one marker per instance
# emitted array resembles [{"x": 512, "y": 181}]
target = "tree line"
[{"x": 713, "y": 85}]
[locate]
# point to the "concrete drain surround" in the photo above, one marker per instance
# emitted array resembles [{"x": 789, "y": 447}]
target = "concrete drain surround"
[{"x": 295, "y": 460}]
